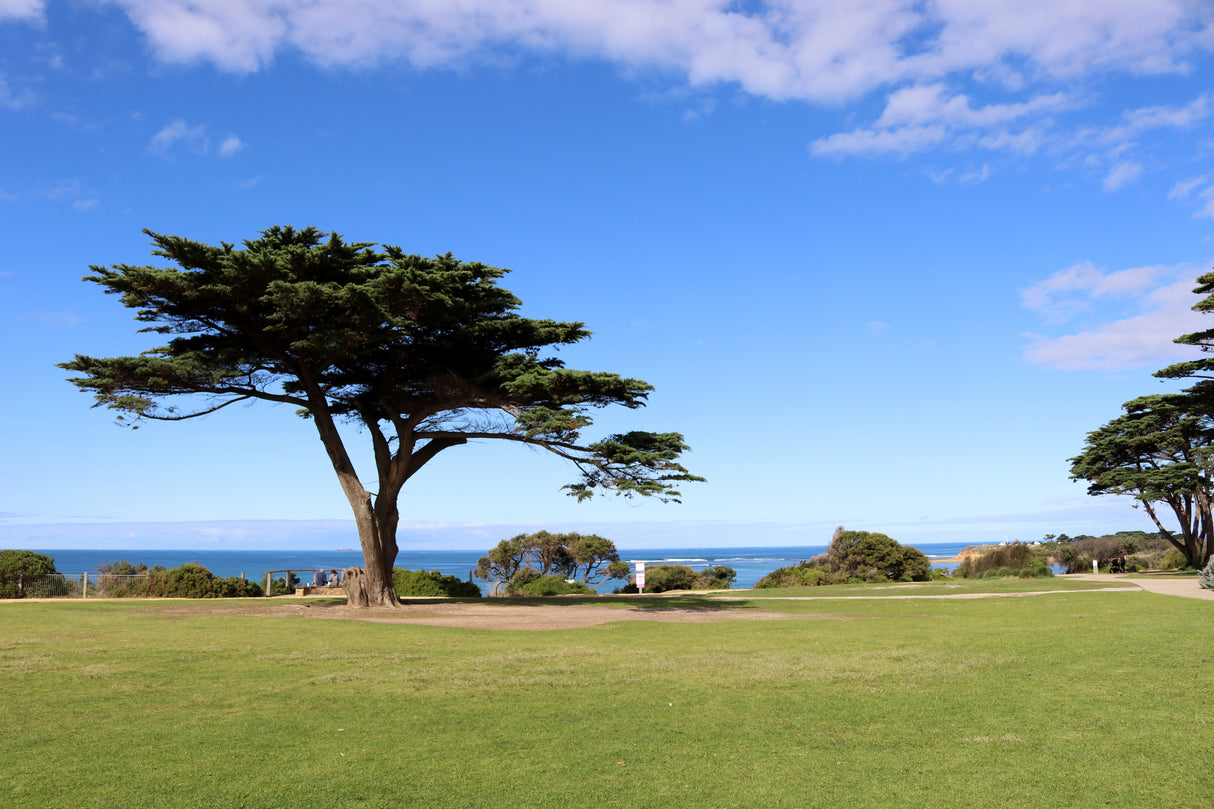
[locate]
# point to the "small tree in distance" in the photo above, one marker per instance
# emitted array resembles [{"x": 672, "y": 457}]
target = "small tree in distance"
[
  {"x": 867, "y": 554},
  {"x": 423, "y": 354},
  {"x": 547, "y": 554}
]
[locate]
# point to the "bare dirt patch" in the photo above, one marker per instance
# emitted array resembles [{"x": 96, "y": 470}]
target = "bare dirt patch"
[{"x": 471, "y": 615}]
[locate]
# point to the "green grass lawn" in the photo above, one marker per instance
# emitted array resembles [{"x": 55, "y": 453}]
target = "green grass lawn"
[{"x": 1073, "y": 699}]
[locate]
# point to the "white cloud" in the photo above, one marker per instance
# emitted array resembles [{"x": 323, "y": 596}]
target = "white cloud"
[
  {"x": 901, "y": 141},
  {"x": 21, "y": 9},
  {"x": 179, "y": 132},
  {"x": 1122, "y": 174},
  {"x": 194, "y": 138},
  {"x": 977, "y": 176},
  {"x": 823, "y": 50},
  {"x": 1163, "y": 295},
  {"x": 1199, "y": 189},
  {"x": 230, "y": 146},
  {"x": 1185, "y": 188},
  {"x": 1073, "y": 289},
  {"x": 14, "y": 99},
  {"x": 924, "y": 104}
]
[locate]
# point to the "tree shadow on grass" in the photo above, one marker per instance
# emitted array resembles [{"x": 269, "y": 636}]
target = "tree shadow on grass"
[{"x": 646, "y": 603}]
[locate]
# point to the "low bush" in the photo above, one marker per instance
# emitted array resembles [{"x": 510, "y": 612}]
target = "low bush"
[
  {"x": 190, "y": 580},
  {"x": 17, "y": 567},
  {"x": 804, "y": 574},
  {"x": 529, "y": 582},
  {"x": 717, "y": 577},
  {"x": 1206, "y": 579},
  {"x": 1016, "y": 559},
  {"x": 431, "y": 583},
  {"x": 1173, "y": 560},
  {"x": 661, "y": 578}
]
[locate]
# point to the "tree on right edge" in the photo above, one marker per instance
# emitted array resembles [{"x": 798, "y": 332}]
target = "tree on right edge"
[{"x": 1159, "y": 451}]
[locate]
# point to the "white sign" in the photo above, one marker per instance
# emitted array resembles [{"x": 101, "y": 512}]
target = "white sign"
[{"x": 641, "y": 576}]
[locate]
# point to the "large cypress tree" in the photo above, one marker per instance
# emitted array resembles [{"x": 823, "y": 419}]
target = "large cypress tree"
[{"x": 424, "y": 353}]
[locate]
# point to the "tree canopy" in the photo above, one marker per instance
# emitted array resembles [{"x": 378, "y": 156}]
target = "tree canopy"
[
  {"x": 424, "y": 354},
  {"x": 1159, "y": 453},
  {"x": 569, "y": 555},
  {"x": 865, "y": 554}
]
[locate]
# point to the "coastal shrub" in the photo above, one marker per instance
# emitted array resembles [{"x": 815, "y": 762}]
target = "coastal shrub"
[
  {"x": 661, "y": 578},
  {"x": 530, "y": 582},
  {"x": 284, "y": 586},
  {"x": 191, "y": 580},
  {"x": 432, "y": 583},
  {"x": 1173, "y": 560},
  {"x": 1206, "y": 579},
  {"x": 591, "y": 558},
  {"x": 19, "y": 567},
  {"x": 1015, "y": 559},
  {"x": 717, "y": 577},
  {"x": 803, "y": 574},
  {"x": 876, "y": 557},
  {"x": 1079, "y": 564}
]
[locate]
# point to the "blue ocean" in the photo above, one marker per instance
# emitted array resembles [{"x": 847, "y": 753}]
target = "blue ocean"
[{"x": 751, "y": 564}]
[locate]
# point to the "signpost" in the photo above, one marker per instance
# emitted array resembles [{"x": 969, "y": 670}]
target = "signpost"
[{"x": 641, "y": 576}]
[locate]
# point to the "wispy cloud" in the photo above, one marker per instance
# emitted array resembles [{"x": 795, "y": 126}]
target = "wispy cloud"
[
  {"x": 15, "y": 98},
  {"x": 230, "y": 146},
  {"x": 1199, "y": 189},
  {"x": 71, "y": 192},
  {"x": 827, "y": 50},
  {"x": 1122, "y": 174},
  {"x": 930, "y": 61},
  {"x": 193, "y": 137},
  {"x": 21, "y": 9},
  {"x": 180, "y": 132},
  {"x": 1163, "y": 297}
]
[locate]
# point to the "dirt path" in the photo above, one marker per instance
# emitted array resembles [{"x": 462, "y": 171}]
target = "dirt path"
[{"x": 1185, "y": 587}]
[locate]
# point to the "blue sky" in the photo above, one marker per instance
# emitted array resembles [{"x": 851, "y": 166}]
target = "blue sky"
[{"x": 885, "y": 263}]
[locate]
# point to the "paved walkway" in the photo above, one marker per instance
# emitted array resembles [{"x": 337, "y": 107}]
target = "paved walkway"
[{"x": 1164, "y": 585}]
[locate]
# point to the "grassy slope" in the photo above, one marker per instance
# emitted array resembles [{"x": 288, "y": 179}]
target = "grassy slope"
[{"x": 1067, "y": 700}]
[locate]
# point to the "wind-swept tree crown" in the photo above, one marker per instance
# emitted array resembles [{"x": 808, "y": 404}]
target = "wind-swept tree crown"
[{"x": 416, "y": 349}]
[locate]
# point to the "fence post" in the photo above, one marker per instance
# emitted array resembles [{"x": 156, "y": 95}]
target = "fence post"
[
  {"x": 268, "y": 575},
  {"x": 85, "y": 585}
]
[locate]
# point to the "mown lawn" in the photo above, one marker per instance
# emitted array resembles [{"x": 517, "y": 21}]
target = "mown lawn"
[{"x": 1074, "y": 699}]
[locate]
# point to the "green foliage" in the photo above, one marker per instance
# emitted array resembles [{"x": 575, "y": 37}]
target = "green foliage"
[
  {"x": 1161, "y": 450},
  {"x": 804, "y": 574},
  {"x": 569, "y": 555},
  {"x": 284, "y": 585},
  {"x": 191, "y": 580},
  {"x": 662, "y": 578},
  {"x": 1174, "y": 560},
  {"x": 532, "y": 583},
  {"x": 19, "y": 567},
  {"x": 874, "y": 557},
  {"x": 432, "y": 583},
  {"x": 424, "y": 354},
  {"x": 1206, "y": 579},
  {"x": 1015, "y": 559},
  {"x": 717, "y": 577}
]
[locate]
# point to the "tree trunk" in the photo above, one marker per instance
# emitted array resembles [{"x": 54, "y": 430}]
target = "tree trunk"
[{"x": 374, "y": 584}]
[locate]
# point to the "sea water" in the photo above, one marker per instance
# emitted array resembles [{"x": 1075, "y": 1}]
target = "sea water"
[{"x": 751, "y": 564}]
